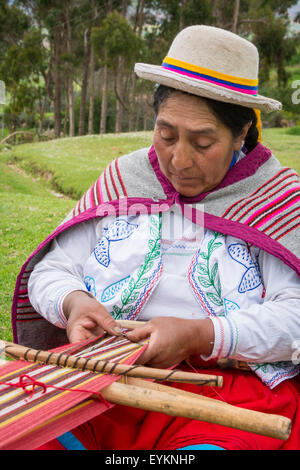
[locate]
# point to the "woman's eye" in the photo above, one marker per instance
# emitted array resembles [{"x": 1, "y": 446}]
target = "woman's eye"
[
  {"x": 167, "y": 137},
  {"x": 202, "y": 147}
]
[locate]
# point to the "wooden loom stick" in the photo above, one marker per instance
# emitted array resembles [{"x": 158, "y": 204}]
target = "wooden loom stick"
[
  {"x": 151, "y": 396},
  {"x": 130, "y": 324},
  {"x": 105, "y": 367},
  {"x": 142, "y": 394}
]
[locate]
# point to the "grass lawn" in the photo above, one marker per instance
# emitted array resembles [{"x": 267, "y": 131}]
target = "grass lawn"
[
  {"x": 285, "y": 146},
  {"x": 71, "y": 165},
  {"x": 33, "y": 175}
]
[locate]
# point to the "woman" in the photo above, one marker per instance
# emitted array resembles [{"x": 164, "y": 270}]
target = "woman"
[{"x": 226, "y": 286}]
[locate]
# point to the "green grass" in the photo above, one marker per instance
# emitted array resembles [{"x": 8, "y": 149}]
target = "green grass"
[
  {"x": 71, "y": 165},
  {"x": 29, "y": 211},
  {"x": 284, "y": 145},
  {"x": 30, "y": 207},
  {"x": 26, "y": 220},
  {"x": 32, "y": 174}
]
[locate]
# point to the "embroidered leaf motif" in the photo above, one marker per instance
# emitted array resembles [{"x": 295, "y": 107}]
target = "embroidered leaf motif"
[
  {"x": 116, "y": 313},
  {"x": 269, "y": 367},
  {"x": 153, "y": 232},
  {"x": 151, "y": 243},
  {"x": 209, "y": 278},
  {"x": 125, "y": 295},
  {"x": 214, "y": 271},
  {"x": 127, "y": 310},
  {"x": 215, "y": 299},
  {"x": 218, "y": 286},
  {"x": 148, "y": 267},
  {"x": 131, "y": 284},
  {"x": 133, "y": 297},
  {"x": 204, "y": 282},
  {"x": 141, "y": 283},
  {"x": 202, "y": 268},
  {"x": 215, "y": 246},
  {"x": 155, "y": 221},
  {"x": 209, "y": 246},
  {"x": 132, "y": 292}
]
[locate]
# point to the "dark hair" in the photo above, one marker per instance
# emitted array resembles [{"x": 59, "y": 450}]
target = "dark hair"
[{"x": 233, "y": 116}]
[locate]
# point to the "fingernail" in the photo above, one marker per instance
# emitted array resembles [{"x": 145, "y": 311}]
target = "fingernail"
[{"x": 117, "y": 330}]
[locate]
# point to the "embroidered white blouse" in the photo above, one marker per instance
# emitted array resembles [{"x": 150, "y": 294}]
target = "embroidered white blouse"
[{"x": 252, "y": 298}]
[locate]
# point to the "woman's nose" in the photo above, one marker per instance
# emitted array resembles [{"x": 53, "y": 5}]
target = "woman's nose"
[{"x": 181, "y": 157}]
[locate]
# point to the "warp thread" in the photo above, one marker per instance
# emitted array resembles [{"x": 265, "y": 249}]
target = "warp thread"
[{"x": 25, "y": 381}]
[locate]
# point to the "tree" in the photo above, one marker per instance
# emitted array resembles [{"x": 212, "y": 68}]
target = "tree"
[
  {"x": 70, "y": 87},
  {"x": 236, "y": 11},
  {"x": 21, "y": 69},
  {"x": 113, "y": 40},
  {"x": 274, "y": 44}
]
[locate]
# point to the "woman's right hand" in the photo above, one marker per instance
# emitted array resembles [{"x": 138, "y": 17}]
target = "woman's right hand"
[{"x": 87, "y": 318}]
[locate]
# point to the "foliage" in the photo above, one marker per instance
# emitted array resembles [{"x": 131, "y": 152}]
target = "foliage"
[
  {"x": 46, "y": 50},
  {"x": 21, "y": 69},
  {"x": 294, "y": 130},
  {"x": 115, "y": 38}
]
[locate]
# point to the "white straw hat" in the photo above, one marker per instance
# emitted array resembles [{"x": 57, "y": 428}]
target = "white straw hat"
[{"x": 214, "y": 63}]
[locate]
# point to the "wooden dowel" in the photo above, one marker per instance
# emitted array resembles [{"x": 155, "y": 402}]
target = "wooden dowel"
[
  {"x": 130, "y": 324},
  {"x": 192, "y": 406},
  {"x": 100, "y": 366}
]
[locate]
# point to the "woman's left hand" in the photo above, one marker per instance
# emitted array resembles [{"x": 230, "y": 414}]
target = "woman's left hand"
[{"x": 172, "y": 339}]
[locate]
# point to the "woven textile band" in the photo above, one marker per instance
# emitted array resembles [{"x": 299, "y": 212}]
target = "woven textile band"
[{"x": 242, "y": 85}]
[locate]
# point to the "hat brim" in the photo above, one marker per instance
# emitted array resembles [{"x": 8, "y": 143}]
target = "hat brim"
[{"x": 158, "y": 74}]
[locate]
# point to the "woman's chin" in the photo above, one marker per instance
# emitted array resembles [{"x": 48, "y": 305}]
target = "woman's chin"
[{"x": 187, "y": 189}]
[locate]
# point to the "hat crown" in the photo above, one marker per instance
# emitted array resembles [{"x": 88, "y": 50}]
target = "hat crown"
[
  {"x": 216, "y": 49},
  {"x": 213, "y": 63}
]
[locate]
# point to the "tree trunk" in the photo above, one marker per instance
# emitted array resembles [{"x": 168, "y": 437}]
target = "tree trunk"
[
  {"x": 236, "y": 11},
  {"x": 84, "y": 86},
  {"x": 70, "y": 89},
  {"x": 42, "y": 105},
  {"x": 215, "y": 12},
  {"x": 181, "y": 10},
  {"x": 92, "y": 93},
  {"x": 92, "y": 76},
  {"x": 138, "y": 30},
  {"x": 104, "y": 101},
  {"x": 57, "y": 80},
  {"x": 108, "y": 6},
  {"x": 119, "y": 96},
  {"x": 119, "y": 85}
]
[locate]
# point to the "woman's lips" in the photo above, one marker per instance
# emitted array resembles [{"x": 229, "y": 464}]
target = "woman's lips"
[{"x": 182, "y": 178}]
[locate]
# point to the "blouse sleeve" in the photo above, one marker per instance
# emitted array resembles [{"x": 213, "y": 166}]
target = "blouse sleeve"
[
  {"x": 266, "y": 332},
  {"x": 61, "y": 271}
]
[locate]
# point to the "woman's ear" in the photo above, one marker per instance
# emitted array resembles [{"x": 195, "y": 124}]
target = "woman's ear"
[{"x": 238, "y": 141}]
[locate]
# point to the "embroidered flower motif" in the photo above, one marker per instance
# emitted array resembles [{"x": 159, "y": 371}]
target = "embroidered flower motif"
[
  {"x": 118, "y": 230},
  {"x": 90, "y": 285},
  {"x": 111, "y": 291},
  {"x": 230, "y": 306},
  {"x": 251, "y": 278}
]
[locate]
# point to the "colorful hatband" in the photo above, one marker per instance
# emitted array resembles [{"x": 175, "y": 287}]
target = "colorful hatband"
[{"x": 242, "y": 85}]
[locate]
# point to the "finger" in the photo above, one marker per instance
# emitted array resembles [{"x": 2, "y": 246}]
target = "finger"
[
  {"x": 108, "y": 323},
  {"x": 80, "y": 333},
  {"x": 142, "y": 332},
  {"x": 146, "y": 357}
]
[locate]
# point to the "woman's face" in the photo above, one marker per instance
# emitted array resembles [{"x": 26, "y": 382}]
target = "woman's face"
[{"x": 194, "y": 148}]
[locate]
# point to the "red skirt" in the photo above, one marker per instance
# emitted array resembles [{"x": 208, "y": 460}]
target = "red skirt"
[{"x": 124, "y": 428}]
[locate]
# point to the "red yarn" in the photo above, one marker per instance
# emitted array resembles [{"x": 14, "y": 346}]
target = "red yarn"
[{"x": 26, "y": 381}]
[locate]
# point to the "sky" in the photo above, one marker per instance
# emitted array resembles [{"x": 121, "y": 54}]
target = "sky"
[{"x": 295, "y": 9}]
